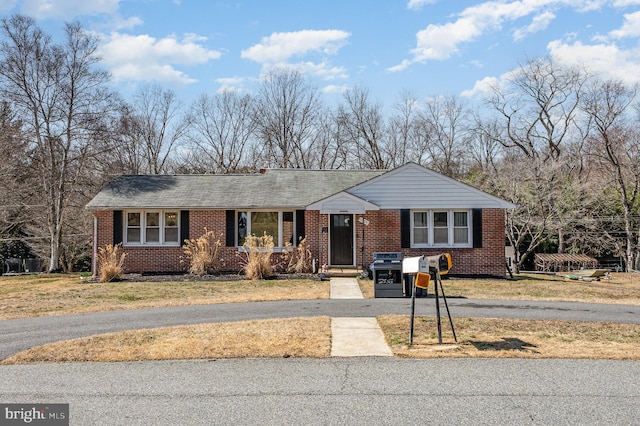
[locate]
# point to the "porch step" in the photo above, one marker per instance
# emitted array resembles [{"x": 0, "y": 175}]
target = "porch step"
[{"x": 343, "y": 272}]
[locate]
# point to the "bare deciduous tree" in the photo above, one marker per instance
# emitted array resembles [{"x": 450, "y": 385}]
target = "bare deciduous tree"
[
  {"x": 362, "y": 123},
  {"x": 444, "y": 135},
  {"x": 329, "y": 150},
  {"x": 287, "y": 117},
  {"x": 536, "y": 117},
  {"x": 222, "y": 127},
  {"x": 403, "y": 131},
  {"x": 61, "y": 98},
  {"x": 615, "y": 150},
  {"x": 538, "y": 105},
  {"x": 158, "y": 120},
  {"x": 14, "y": 194}
]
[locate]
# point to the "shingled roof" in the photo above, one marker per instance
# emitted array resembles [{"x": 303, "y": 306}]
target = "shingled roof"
[{"x": 276, "y": 188}]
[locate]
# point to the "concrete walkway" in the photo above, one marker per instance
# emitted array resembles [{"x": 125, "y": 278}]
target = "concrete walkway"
[
  {"x": 354, "y": 336},
  {"x": 345, "y": 288}
]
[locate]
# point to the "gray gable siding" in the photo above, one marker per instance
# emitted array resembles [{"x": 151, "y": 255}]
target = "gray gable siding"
[{"x": 414, "y": 187}]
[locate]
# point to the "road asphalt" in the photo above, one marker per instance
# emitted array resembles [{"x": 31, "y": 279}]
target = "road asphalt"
[
  {"x": 373, "y": 390},
  {"x": 334, "y": 391}
]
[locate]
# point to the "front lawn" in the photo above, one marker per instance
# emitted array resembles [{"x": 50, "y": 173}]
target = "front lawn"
[{"x": 56, "y": 294}]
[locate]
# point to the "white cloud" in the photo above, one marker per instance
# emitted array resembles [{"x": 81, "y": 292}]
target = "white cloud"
[
  {"x": 279, "y": 47},
  {"x": 118, "y": 23},
  {"x": 68, "y": 9},
  {"x": 333, "y": 88},
  {"x": 232, "y": 84},
  {"x": 7, "y": 4},
  {"x": 321, "y": 70},
  {"x": 607, "y": 60},
  {"x": 540, "y": 22},
  {"x": 483, "y": 87},
  {"x": 442, "y": 41},
  {"x": 401, "y": 66},
  {"x": 438, "y": 42},
  {"x": 625, "y": 3},
  {"x": 604, "y": 59},
  {"x": 277, "y": 50},
  {"x": 417, "y": 4},
  {"x": 630, "y": 28},
  {"x": 143, "y": 57}
]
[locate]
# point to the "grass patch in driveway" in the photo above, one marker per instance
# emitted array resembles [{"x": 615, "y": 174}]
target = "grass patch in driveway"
[{"x": 276, "y": 338}]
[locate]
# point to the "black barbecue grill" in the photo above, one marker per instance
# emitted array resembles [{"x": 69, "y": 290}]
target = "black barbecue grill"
[{"x": 387, "y": 274}]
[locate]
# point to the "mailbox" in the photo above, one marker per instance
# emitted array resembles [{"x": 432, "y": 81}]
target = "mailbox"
[{"x": 427, "y": 264}]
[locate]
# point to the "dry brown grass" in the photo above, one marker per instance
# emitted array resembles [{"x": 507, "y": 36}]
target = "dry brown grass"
[
  {"x": 38, "y": 295},
  {"x": 621, "y": 288},
  {"x": 311, "y": 337},
  {"x": 278, "y": 338},
  {"x": 60, "y": 294},
  {"x": 508, "y": 338}
]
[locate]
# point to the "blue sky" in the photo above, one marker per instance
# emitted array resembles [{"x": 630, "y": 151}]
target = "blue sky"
[{"x": 427, "y": 47}]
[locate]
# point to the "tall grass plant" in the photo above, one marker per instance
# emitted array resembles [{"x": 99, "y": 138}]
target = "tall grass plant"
[
  {"x": 203, "y": 254},
  {"x": 257, "y": 253},
  {"x": 110, "y": 263}
]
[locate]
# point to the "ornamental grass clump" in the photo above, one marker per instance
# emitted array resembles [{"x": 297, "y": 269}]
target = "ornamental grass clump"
[
  {"x": 299, "y": 258},
  {"x": 257, "y": 252},
  {"x": 110, "y": 261},
  {"x": 203, "y": 254}
]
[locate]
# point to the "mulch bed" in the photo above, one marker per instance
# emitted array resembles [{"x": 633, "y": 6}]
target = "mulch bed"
[{"x": 216, "y": 277}]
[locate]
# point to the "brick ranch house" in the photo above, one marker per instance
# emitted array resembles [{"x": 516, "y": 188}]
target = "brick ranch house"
[{"x": 409, "y": 209}]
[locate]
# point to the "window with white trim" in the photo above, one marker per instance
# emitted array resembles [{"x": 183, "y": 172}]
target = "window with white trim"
[
  {"x": 440, "y": 228},
  {"x": 152, "y": 228},
  {"x": 279, "y": 224},
  {"x": 420, "y": 231}
]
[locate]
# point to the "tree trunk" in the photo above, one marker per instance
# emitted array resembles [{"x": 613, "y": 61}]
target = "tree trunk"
[{"x": 54, "y": 258}]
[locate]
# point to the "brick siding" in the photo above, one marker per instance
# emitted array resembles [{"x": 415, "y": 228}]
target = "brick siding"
[{"x": 383, "y": 234}]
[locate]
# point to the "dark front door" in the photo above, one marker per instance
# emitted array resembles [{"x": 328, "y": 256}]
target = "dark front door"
[{"x": 341, "y": 237}]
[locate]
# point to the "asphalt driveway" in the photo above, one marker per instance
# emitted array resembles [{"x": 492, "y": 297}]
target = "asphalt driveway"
[{"x": 20, "y": 334}]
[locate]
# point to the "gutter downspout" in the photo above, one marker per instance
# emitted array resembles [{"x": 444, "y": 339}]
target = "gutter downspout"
[{"x": 95, "y": 246}]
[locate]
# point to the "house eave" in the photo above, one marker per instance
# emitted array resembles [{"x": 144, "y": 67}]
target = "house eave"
[{"x": 343, "y": 203}]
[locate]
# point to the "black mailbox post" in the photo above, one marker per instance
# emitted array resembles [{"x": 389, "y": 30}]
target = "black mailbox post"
[{"x": 387, "y": 275}]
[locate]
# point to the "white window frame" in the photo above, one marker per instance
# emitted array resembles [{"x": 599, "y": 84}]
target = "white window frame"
[
  {"x": 143, "y": 228},
  {"x": 450, "y": 228},
  {"x": 280, "y": 244}
]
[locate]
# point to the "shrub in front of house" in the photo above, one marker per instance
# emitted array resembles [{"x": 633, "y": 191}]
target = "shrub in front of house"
[
  {"x": 299, "y": 258},
  {"x": 110, "y": 261},
  {"x": 257, "y": 256},
  {"x": 203, "y": 254}
]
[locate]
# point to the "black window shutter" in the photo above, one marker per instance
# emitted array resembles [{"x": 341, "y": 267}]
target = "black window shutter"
[
  {"x": 477, "y": 228},
  {"x": 300, "y": 233},
  {"x": 184, "y": 226},
  {"x": 405, "y": 228},
  {"x": 231, "y": 228},
  {"x": 117, "y": 226}
]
